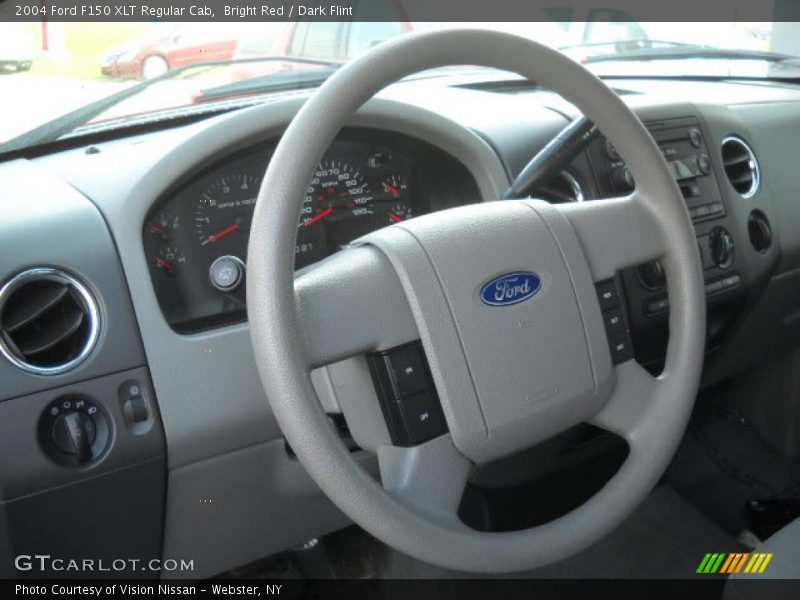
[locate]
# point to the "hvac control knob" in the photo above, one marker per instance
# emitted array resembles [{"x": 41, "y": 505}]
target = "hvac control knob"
[
  {"x": 623, "y": 178},
  {"x": 721, "y": 245},
  {"x": 73, "y": 433}
]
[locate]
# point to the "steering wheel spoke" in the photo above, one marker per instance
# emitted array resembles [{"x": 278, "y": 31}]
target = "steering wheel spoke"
[
  {"x": 628, "y": 405},
  {"x": 501, "y": 296},
  {"x": 430, "y": 477},
  {"x": 350, "y": 304},
  {"x": 615, "y": 233}
]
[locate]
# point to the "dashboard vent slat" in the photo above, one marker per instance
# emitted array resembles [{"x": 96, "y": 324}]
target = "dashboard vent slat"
[
  {"x": 49, "y": 322},
  {"x": 741, "y": 166},
  {"x": 42, "y": 297}
]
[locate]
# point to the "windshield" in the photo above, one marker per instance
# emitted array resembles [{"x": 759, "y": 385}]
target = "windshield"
[{"x": 113, "y": 74}]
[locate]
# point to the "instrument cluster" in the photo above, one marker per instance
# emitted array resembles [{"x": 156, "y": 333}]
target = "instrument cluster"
[{"x": 196, "y": 240}]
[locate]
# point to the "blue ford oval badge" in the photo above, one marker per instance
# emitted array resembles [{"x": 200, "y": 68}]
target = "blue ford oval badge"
[{"x": 511, "y": 288}]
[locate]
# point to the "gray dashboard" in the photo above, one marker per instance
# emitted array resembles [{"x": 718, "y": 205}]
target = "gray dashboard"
[{"x": 224, "y": 484}]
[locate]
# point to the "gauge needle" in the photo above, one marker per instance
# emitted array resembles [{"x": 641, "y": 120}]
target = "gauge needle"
[
  {"x": 157, "y": 229},
  {"x": 319, "y": 217},
  {"x": 162, "y": 263},
  {"x": 391, "y": 189},
  {"x": 219, "y": 234}
]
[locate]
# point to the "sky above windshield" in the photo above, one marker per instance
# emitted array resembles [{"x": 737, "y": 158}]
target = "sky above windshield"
[{"x": 79, "y": 63}]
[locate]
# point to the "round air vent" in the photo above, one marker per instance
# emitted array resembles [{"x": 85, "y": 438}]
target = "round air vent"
[
  {"x": 49, "y": 322},
  {"x": 741, "y": 166},
  {"x": 562, "y": 188}
]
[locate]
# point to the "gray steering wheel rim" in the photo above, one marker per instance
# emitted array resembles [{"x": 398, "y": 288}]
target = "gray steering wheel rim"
[{"x": 274, "y": 321}]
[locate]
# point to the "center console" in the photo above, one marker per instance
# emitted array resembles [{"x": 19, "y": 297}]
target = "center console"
[{"x": 689, "y": 156}]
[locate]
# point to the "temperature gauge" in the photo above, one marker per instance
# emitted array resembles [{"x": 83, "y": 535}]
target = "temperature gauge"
[
  {"x": 395, "y": 186},
  {"x": 170, "y": 257}
]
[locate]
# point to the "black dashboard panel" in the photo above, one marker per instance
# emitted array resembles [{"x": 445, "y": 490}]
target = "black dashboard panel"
[{"x": 196, "y": 238}]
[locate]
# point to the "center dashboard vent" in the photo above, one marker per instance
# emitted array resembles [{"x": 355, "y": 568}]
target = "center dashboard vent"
[
  {"x": 741, "y": 166},
  {"x": 49, "y": 322}
]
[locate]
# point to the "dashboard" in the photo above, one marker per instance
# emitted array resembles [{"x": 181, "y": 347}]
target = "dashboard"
[
  {"x": 196, "y": 237},
  {"x": 172, "y": 373}
]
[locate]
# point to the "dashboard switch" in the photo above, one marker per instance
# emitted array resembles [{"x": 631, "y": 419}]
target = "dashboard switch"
[
  {"x": 138, "y": 409},
  {"x": 74, "y": 433}
]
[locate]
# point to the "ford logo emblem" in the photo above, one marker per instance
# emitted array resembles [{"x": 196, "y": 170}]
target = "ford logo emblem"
[{"x": 511, "y": 288}]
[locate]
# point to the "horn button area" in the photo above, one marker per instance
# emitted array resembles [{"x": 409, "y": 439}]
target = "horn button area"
[{"x": 510, "y": 323}]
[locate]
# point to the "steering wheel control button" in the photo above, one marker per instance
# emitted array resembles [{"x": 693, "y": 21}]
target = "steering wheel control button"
[
  {"x": 423, "y": 417},
  {"x": 613, "y": 309},
  {"x": 407, "y": 395},
  {"x": 608, "y": 294},
  {"x": 614, "y": 322},
  {"x": 226, "y": 273},
  {"x": 408, "y": 371},
  {"x": 621, "y": 348}
]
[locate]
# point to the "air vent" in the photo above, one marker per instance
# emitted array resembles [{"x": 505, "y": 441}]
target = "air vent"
[
  {"x": 741, "y": 166},
  {"x": 563, "y": 188},
  {"x": 49, "y": 322}
]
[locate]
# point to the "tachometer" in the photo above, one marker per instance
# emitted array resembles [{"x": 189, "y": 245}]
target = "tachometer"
[{"x": 225, "y": 208}]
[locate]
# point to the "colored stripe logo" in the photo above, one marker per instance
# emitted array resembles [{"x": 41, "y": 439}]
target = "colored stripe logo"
[{"x": 727, "y": 564}]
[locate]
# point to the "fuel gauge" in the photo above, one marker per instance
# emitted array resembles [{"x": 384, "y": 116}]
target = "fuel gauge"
[{"x": 164, "y": 224}]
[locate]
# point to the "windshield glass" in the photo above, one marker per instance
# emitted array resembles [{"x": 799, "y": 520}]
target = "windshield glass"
[{"x": 128, "y": 71}]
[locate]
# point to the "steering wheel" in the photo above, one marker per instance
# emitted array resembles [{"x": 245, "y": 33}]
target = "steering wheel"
[{"x": 507, "y": 376}]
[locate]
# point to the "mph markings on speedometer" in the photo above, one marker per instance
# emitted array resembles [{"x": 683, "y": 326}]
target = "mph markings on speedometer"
[
  {"x": 225, "y": 207},
  {"x": 335, "y": 192}
]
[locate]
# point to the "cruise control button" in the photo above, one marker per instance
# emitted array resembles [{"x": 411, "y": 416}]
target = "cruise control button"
[
  {"x": 407, "y": 370},
  {"x": 423, "y": 417},
  {"x": 614, "y": 322},
  {"x": 621, "y": 348},
  {"x": 608, "y": 294}
]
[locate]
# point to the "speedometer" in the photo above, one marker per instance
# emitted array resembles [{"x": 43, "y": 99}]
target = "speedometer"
[{"x": 336, "y": 190}]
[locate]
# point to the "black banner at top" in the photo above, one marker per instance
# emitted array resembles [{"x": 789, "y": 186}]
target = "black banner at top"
[{"x": 468, "y": 11}]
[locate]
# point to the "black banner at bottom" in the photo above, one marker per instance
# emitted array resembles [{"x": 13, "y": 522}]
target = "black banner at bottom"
[{"x": 401, "y": 589}]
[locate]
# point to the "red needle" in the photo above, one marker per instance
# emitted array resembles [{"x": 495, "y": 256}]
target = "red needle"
[
  {"x": 223, "y": 233},
  {"x": 395, "y": 218},
  {"x": 157, "y": 229},
  {"x": 320, "y": 216},
  {"x": 391, "y": 189},
  {"x": 161, "y": 262}
]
